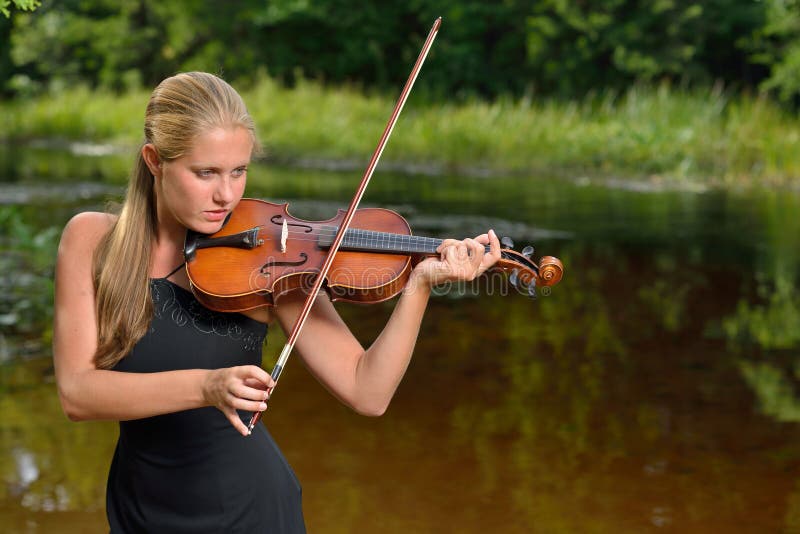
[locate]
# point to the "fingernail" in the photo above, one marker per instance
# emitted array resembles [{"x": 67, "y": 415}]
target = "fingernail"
[{"x": 262, "y": 406}]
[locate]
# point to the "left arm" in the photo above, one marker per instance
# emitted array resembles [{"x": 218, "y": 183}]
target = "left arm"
[{"x": 366, "y": 380}]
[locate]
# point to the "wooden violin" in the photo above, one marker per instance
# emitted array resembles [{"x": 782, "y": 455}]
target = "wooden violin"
[{"x": 262, "y": 252}]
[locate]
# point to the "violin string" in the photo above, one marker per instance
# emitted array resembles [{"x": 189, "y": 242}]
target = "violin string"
[
  {"x": 328, "y": 231},
  {"x": 356, "y": 233},
  {"x": 386, "y": 246},
  {"x": 359, "y": 233},
  {"x": 358, "y": 236}
]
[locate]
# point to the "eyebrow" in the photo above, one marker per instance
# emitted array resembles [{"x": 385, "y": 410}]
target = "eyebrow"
[{"x": 214, "y": 167}]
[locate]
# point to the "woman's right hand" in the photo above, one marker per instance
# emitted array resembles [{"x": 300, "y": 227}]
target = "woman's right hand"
[{"x": 245, "y": 387}]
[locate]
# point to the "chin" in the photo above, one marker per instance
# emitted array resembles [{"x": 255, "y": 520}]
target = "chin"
[{"x": 205, "y": 227}]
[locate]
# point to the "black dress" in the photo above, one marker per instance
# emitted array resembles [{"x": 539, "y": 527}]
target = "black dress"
[{"x": 191, "y": 471}]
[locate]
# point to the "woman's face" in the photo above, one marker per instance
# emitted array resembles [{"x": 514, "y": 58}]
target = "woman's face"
[{"x": 199, "y": 189}]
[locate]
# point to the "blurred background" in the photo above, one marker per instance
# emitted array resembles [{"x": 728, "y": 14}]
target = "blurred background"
[{"x": 651, "y": 146}]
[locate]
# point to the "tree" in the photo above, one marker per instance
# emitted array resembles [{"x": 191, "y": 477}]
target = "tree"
[
  {"x": 23, "y": 5},
  {"x": 776, "y": 45}
]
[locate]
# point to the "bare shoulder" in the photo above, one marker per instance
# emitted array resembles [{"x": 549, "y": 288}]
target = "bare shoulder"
[
  {"x": 84, "y": 231},
  {"x": 89, "y": 223},
  {"x": 79, "y": 239}
]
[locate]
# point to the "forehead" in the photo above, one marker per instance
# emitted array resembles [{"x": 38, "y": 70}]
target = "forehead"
[{"x": 223, "y": 145}]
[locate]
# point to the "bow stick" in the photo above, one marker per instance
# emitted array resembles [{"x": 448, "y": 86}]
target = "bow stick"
[{"x": 373, "y": 162}]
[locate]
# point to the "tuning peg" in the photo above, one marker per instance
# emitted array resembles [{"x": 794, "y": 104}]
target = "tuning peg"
[
  {"x": 527, "y": 251},
  {"x": 532, "y": 288},
  {"x": 532, "y": 291},
  {"x": 507, "y": 242},
  {"x": 513, "y": 279}
]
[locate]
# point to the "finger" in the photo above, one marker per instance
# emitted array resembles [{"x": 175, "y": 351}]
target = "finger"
[
  {"x": 494, "y": 242},
  {"x": 482, "y": 239},
  {"x": 254, "y": 383},
  {"x": 480, "y": 254},
  {"x": 244, "y": 392},
  {"x": 476, "y": 249},
  {"x": 494, "y": 252},
  {"x": 244, "y": 404},
  {"x": 466, "y": 252},
  {"x": 446, "y": 243},
  {"x": 472, "y": 249},
  {"x": 477, "y": 252},
  {"x": 448, "y": 254},
  {"x": 256, "y": 372},
  {"x": 494, "y": 245},
  {"x": 454, "y": 259},
  {"x": 456, "y": 252},
  {"x": 237, "y": 422}
]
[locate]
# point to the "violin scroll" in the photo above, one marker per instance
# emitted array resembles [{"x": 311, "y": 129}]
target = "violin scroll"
[
  {"x": 550, "y": 270},
  {"x": 525, "y": 274}
]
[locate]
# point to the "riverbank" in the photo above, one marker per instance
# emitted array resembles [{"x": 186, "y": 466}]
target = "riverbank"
[{"x": 660, "y": 134}]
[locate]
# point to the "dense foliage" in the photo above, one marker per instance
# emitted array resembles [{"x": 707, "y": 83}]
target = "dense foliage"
[
  {"x": 25, "y": 5},
  {"x": 552, "y": 47}
]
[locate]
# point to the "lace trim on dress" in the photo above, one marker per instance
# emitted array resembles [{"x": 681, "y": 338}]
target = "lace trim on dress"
[{"x": 188, "y": 311}]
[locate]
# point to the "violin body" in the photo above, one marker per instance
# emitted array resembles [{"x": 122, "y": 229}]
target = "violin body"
[{"x": 263, "y": 252}]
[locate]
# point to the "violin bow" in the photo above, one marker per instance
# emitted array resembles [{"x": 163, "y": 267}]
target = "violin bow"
[{"x": 373, "y": 162}]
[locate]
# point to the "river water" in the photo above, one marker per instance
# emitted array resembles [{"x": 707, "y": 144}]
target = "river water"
[{"x": 657, "y": 388}]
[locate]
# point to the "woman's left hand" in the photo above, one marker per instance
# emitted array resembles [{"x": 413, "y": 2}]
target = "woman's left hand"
[{"x": 459, "y": 260}]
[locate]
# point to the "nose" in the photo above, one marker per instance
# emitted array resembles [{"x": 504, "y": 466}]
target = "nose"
[{"x": 224, "y": 193}]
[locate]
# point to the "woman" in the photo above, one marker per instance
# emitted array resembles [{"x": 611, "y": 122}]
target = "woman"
[{"x": 132, "y": 344}]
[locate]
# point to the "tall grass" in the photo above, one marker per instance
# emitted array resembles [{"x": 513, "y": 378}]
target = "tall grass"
[{"x": 661, "y": 133}]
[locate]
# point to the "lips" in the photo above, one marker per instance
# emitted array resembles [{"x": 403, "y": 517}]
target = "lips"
[{"x": 215, "y": 215}]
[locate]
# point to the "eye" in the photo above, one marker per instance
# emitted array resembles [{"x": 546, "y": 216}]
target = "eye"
[
  {"x": 204, "y": 173},
  {"x": 241, "y": 171}
]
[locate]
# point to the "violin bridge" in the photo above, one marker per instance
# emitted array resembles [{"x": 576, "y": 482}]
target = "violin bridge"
[{"x": 284, "y": 235}]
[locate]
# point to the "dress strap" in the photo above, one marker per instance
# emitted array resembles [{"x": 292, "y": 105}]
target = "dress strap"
[{"x": 175, "y": 270}]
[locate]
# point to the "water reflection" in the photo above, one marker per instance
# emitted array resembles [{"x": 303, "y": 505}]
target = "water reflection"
[{"x": 655, "y": 388}]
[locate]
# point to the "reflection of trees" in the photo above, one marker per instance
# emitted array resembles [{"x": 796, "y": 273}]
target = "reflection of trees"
[
  {"x": 69, "y": 461},
  {"x": 776, "y": 392},
  {"x": 792, "y": 517},
  {"x": 584, "y": 406},
  {"x": 771, "y": 326},
  {"x": 666, "y": 295},
  {"x": 550, "y": 407},
  {"x": 766, "y": 334}
]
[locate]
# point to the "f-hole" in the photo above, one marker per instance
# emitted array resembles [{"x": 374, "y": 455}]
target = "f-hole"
[{"x": 278, "y": 219}]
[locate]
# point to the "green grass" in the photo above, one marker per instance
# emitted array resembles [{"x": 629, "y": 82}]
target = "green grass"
[{"x": 698, "y": 136}]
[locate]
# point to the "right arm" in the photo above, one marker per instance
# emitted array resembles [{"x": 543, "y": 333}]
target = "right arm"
[{"x": 90, "y": 393}]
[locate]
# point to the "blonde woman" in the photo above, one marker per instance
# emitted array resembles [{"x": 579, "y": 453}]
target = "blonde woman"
[{"x": 133, "y": 345}]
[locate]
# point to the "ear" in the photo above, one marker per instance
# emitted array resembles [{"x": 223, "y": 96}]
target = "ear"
[{"x": 151, "y": 159}]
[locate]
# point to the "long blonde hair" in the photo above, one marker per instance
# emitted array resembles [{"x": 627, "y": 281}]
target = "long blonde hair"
[{"x": 180, "y": 109}]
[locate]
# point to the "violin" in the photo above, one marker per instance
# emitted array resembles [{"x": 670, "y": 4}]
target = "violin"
[{"x": 263, "y": 252}]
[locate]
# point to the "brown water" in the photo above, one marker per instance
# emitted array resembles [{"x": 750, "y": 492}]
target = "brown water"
[{"x": 655, "y": 389}]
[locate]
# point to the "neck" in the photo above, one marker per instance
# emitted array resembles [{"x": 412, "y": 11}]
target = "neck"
[
  {"x": 167, "y": 246},
  {"x": 359, "y": 240}
]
